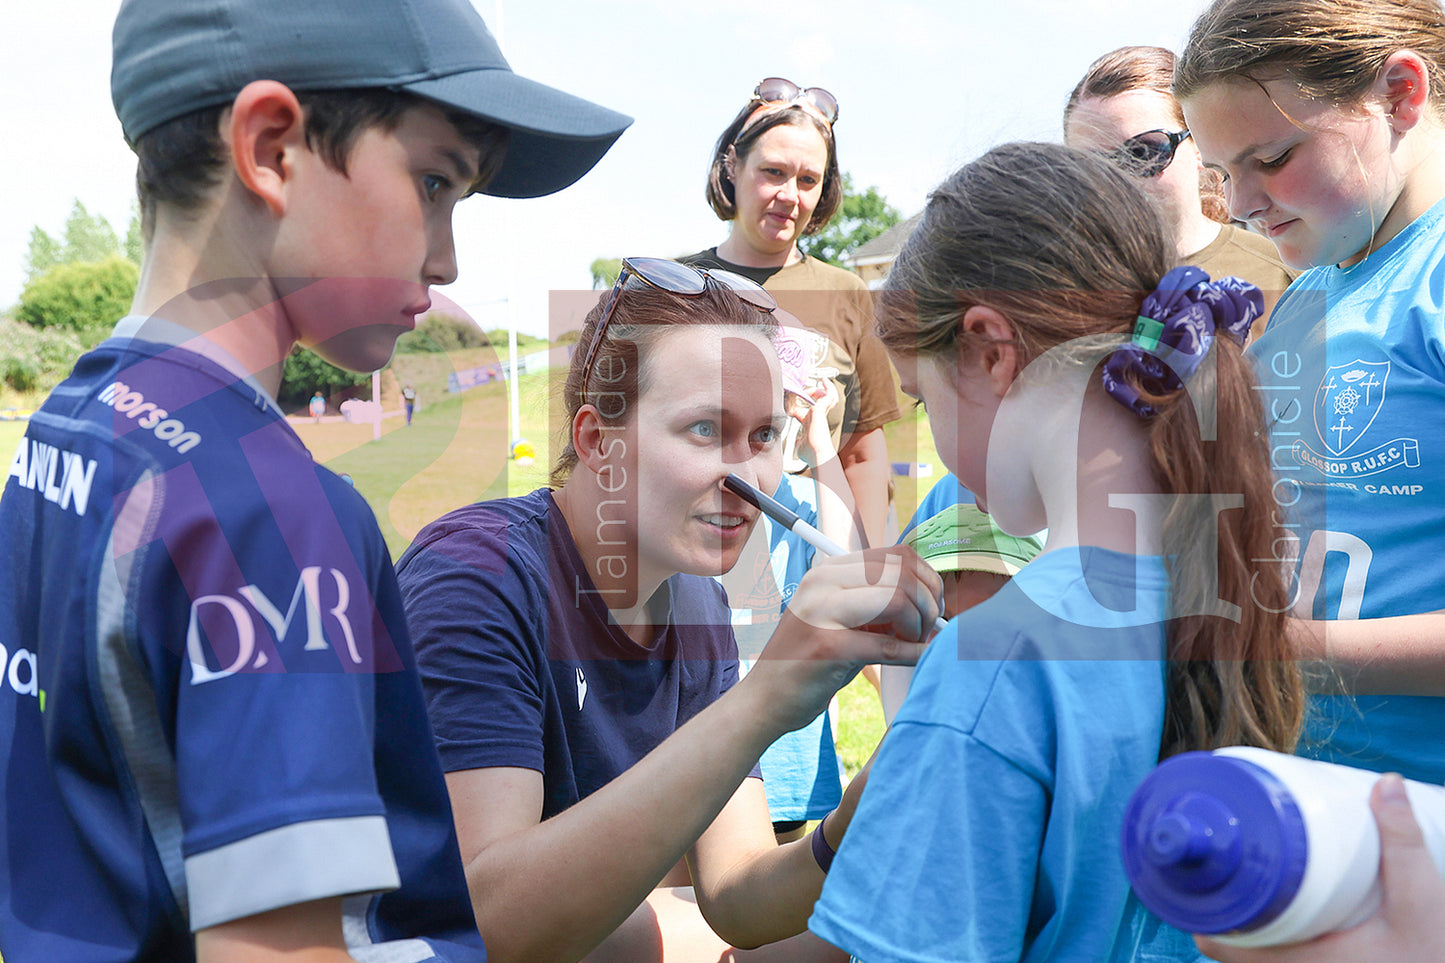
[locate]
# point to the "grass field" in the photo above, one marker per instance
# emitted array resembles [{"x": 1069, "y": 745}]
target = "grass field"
[
  {"x": 456, "y": 452},
  {"x": 10, "y": 435}
]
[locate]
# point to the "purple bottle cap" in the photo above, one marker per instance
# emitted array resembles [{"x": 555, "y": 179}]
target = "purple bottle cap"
[{"x": 1213, "y": 844}]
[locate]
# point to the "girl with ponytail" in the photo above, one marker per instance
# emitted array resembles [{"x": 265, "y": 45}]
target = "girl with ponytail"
[{"x": 1075, "y": 381}]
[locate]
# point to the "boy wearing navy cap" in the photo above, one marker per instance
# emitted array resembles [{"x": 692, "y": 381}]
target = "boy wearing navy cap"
[{"x": 214, "y": 739}]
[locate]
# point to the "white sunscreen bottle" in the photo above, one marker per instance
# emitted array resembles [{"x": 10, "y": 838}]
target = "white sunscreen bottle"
[{"x": 1259, "y": 848}]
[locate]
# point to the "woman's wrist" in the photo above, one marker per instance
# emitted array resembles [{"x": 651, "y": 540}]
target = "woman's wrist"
[{"x": 823, "y": 851}]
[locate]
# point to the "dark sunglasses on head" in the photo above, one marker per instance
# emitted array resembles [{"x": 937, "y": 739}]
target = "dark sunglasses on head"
[
  {"x": 1149, "y": 153},
  {"x": 674, "y": 278},
  {"x": 777, "y": 92}
]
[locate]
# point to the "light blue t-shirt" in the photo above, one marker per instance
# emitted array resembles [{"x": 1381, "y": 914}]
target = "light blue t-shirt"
[
  {"x": 990, "y": 826},
  {"x": 945, "y": 493},
  {"x": 800, "y": 770},
  {"x": 1352, "y": 375}
]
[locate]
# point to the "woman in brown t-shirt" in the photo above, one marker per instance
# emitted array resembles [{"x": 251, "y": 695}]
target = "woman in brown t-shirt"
[{"x": 774, "y": 177}]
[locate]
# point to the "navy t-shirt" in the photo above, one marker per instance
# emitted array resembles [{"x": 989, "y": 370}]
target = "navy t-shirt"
[
  {"x": 521, "y": 664},
  {"x": 213, "y": 709}
]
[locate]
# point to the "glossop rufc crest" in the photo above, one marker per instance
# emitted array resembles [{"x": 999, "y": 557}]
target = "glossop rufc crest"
[{"x": 1349, "y": 398}]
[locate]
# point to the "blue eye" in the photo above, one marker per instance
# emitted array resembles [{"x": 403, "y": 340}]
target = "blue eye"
[
  {"x": 434, "y": 184},
  {"x": 703, "y": 429}
]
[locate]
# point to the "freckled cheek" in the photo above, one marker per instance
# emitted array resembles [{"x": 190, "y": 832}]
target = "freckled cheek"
[
  {"x": 667, "y": 470},
  {"x": 769, "y": 467}
]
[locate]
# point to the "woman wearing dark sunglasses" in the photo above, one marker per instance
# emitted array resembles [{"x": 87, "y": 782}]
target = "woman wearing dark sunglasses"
[
  {"x": 579, "y": 663},
  {"x": 774, "y": 177},
  {"x": 1124, "y": 107}
]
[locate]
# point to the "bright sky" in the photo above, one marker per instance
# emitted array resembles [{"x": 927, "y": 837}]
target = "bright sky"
[{"x": 924, "y": 86}]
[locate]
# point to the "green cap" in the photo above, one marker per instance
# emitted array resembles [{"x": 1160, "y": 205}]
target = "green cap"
[{"x": 964, "y": 539}]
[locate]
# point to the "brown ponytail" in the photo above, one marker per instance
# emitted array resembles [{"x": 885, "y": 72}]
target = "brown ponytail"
[
  {"x": 1232, "y": 678},
  {"x": 1066, "y": 247}
]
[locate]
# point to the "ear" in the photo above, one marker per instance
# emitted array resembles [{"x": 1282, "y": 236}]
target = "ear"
[
  {"x": 587, "y": 438},
  {"x": 267, "y": 130},
  {"x": 995, "y": 352},
  {"x": 730, "y": 162},
  {"x": 1404, "y": 87}
]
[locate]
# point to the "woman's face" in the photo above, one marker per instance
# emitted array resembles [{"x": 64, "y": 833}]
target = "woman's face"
[
  {"x": 712, "y": 405},
  {"x": 777, "y": 186},
  {"x": 1104, "y": 123},
  {"x": 1315, "y": 178}
]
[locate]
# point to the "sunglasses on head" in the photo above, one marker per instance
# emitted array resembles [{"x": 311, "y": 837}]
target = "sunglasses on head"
[
  {"x": 1149, "y": 153},
  {"x": 777, "y": 92},
  {"x": 674, "y": 278}
]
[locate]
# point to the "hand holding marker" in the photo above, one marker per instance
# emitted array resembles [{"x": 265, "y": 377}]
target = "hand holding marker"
[{"x": 792, "y": 522}]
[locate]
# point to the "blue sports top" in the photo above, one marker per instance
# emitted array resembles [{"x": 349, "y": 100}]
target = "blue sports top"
[
  {"x": 990, "y": 826},
  {"x": 945, "y": 493},
  {"x": 212, "y": 708},
  {"x": 1352, "y": 376}
]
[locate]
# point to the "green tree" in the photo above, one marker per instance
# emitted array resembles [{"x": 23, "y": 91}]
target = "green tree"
[
  {"x": 43, "y": 254},
  {"x": 860, "y": 218},
  {"x": 34, "y": 359},
  {"x": 605, "y": 271},
  {"x": 439, "y": 333},
  {"x": 88, "y": 237},
  {"x": 525, "y": 342},
  {"x": 134, "y": 243},
  {"x": 86, "y": 299},
  {"x": 306, "y": 372}
]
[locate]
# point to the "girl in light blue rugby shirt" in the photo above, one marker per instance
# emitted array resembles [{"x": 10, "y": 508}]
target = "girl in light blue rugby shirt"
[{"x": 1148, "y": 625}]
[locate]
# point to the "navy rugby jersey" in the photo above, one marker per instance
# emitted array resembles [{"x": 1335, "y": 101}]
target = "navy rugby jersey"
[{"x": 209, "y": 705}]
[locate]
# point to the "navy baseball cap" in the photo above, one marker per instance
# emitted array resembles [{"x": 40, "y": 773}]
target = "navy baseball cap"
[{"x": 174, "y": 57}]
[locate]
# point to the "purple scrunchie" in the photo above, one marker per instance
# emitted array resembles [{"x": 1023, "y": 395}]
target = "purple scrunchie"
[{"x": 1176, "y": 329}]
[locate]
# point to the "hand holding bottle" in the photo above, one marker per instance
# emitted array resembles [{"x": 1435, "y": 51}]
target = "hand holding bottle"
[{"x": 1407, "y": 928}]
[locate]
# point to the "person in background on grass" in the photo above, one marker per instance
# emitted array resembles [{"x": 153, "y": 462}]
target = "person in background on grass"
[
  {"x": 579, "y": 663},
  {"x": 1066, "y": 369},
  {"x": 774, "y": 178},
  {"x": 943, "y": 494},
  {"x": 892, "y": 680},
  {"x": 800, "y": 771},
  {"x": 974, "y": 556},
  {"x": 200, "y": 763},
  {"x": 1123, "y": 107},
  {"x": 318, "y": 407},
  {"x": 408, "y": 399}
]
